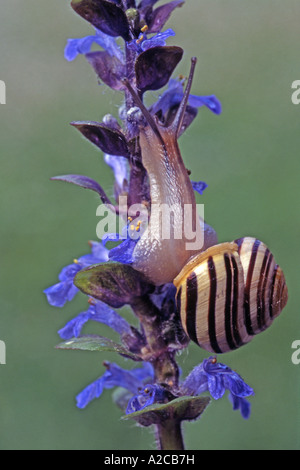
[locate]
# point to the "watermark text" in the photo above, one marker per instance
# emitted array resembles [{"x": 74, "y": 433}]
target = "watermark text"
[
  {"x": 2, "y": 92},
  {"x": 2, "y": 353},
  {"x": 164, "y": 222},
  {"x": 296, "y": 354},
  {"x": 296, "y": 94}
]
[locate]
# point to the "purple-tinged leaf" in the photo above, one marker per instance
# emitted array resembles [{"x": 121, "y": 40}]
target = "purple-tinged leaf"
[
  {"x": 115, "y": 284},
  {"x": 86, "y": 183},
  {"x": 104, "y": 15},
  {"x": 161, "y": 15},
  {"x": 155, "y": 66},
  {"x": 108, "y": 68},
  {"x": 109, "y": 140}
]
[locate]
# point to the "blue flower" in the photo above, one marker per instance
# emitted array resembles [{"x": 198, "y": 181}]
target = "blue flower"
[
  {"x": 216, "y": 378},
  {"x": 65, "y": 290},
  {"x": 75, "y": 47},
  {"x": 119, "y": 165},
  {"x": 211, "y": 102},
  {"x": 115, "y": 376},
  {"x": 99, "y": 312},
  {"x": 241, "y": 404},
  {"x": 147, "y": 396},
  {"x": 123, "y": 253},
  {"x": 142, "y": 43},
  {"x": 174, "y": 94},
  {"x": 164, "y": 295},
  {"x": 199, "y": 186},
  {"x": 131, "y": 233}
]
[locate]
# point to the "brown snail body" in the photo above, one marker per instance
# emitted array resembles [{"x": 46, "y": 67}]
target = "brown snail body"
[{"x": 159, "y": 258}]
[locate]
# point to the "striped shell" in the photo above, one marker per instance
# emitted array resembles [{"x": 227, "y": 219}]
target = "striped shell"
[{"x": 229, "y": 293}]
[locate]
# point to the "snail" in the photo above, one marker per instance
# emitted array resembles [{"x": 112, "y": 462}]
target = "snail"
[{"x": 227, "y": 292}]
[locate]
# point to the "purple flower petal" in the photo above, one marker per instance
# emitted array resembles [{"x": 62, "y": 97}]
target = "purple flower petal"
[
  {"x": 211, "y": 102},
  {"x": 158, "y": 39},
  {"x": 143, "y": 43},
  {"x": 123, "y": 253},
  {"x": 119, "y": 165},
  {"x": 148, "y": 396},
  {"x": 74, "y": 47},
  {"x": 170, "y": 97},
  {"x": 163, "y": 295},
  {"x": 99, "y": 252},
  {"x": 112, "y": 237},
  {"x": 199, "y": 186},
  {"x": 216, "y": 378},
  {"x": 73, "y": 328},
  {"x": 61, "y": 293},
  {"x": 65, "y": 290},
  {"x": 241, "y": 404},
  {"x": 174, "y": 94},
  {"x": 146, "y": 3},
  {"x": 100, "y": 313},
  {"x": 115, "y": 376}
]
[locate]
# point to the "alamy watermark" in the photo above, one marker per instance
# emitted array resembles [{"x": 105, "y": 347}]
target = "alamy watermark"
[
  {"x": 2, "y": 352},
  {"x": 166, "y": 222},
  {"x": 296, "y": 94},
  {"x": 296, "y": 354},
  {"x": 2, "y": 92}
]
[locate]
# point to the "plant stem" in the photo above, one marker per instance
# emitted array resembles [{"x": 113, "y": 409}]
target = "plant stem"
[
  {"x": 169, "y": 435},
  {"x": 156, "y": 351}
]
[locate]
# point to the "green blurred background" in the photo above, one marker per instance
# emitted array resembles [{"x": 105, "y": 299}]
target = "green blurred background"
[{"x": 248, "y": 53}]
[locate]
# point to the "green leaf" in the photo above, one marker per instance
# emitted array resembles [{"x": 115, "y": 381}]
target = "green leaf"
[
  {"x": 115, "y": 284},
  {"x": 180, "y": 409},
  {"x": 97, "y": 343}
]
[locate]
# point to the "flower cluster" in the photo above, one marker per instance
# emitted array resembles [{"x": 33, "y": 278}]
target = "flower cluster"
[{"x": 105, "y": 275}]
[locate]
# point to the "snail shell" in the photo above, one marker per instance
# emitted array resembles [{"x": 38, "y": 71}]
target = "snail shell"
[{"x": 229, "y": 293}]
